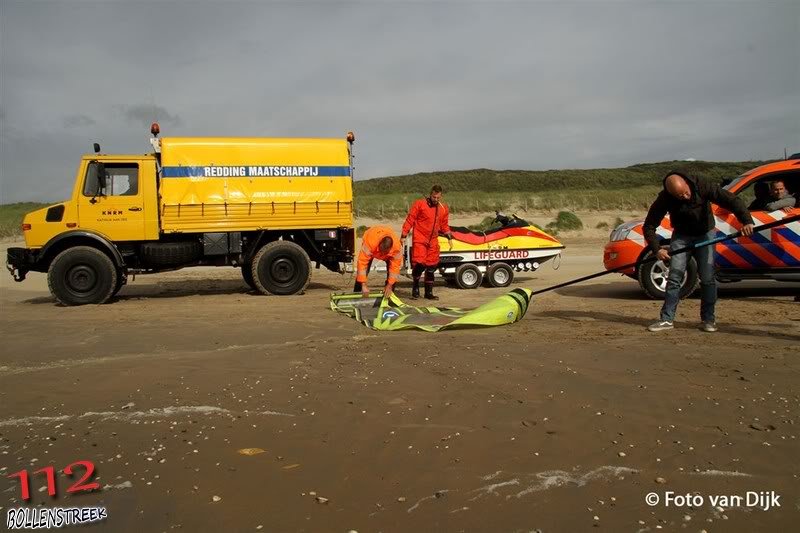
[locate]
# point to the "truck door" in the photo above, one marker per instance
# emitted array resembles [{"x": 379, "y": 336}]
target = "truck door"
[{"x": 114, "y": 208}]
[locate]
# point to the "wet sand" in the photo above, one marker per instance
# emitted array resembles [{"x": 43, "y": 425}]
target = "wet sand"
[{"x": 564, "y": 421}]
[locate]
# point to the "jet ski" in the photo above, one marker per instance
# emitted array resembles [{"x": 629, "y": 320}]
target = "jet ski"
[{"x": 510, "y": 245}]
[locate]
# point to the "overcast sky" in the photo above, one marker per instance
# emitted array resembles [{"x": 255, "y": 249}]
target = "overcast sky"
[{"x": 425, "y": 85}]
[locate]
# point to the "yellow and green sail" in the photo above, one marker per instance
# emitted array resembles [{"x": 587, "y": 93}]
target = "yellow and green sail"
[{"x": 391, "y": 314}]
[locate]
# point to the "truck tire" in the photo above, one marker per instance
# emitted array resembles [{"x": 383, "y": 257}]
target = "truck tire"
[
  {"x": 82, "y": 275},
  {"x": 468, "y": 276},
  {"x": 281, "y": 268},
  {"x": 121, "y": 281},
  {"x": 247, "y": 275},
  {"x": 652, "y": 278},
  {"x": 171, "y": 253},
  {"x": 500, "y": 275}
]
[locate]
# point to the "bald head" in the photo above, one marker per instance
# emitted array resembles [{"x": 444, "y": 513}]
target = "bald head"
[
  {"x": 386, "y": 244},
  {"x": 676, "y": 186}
]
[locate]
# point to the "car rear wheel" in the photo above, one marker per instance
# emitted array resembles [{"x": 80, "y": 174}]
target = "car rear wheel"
[{"x": 652, "y": 278}]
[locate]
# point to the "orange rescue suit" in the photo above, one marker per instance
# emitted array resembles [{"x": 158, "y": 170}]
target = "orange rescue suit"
[
  {"x": 427, "y": 222},
  {"x": 370, "y": 249}
]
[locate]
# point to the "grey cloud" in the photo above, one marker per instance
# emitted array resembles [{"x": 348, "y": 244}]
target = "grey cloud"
[
  {"x": 78, "y": 121},
  {"x": 146, "y": 114},
  {"x": 425, "y": 86}
]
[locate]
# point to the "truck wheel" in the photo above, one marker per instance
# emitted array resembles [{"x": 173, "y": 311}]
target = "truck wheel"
[
  {"x": 282, "y": 268},
  {"x": 121, "y": 281},
  {"x": 500, "y": 275},
  {"x": 82, "y": 275},
  {"x": 468, "y": 276},
  {"x": 653, "y": 278},
  {"x": 247, "y": 274}
]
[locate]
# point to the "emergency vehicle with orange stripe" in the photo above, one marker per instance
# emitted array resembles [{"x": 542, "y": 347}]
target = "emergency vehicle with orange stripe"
[{"x": 771, "y": 254}]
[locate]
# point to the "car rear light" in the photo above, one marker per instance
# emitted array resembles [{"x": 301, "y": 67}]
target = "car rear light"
[{"x": 26, "y": 227}]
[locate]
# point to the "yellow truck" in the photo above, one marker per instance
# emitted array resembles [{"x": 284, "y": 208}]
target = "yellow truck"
[{"x": 270, "y": 207}]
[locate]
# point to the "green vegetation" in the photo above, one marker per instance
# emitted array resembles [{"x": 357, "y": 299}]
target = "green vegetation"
[
  {"x": 361, "y": 230},
  {"x": 11, "y": 217},
  {"x": 483, "y": 225},
  {"x": 602, "y": 225},
  {"x": 392, "y": 206},
  {"x": 564, "y": 221},
  {"x": 484, "y": 190},
  {"x": 535, "y": 181}
]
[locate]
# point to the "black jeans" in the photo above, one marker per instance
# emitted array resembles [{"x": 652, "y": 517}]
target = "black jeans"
[{"x": 416, "y": 273}]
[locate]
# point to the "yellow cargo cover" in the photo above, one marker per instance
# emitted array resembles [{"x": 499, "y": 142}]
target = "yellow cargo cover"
[{"x": 241, "y": 184}]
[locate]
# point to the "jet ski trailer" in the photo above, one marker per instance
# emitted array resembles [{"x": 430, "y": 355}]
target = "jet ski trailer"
[{"x": 510, "y": 245}]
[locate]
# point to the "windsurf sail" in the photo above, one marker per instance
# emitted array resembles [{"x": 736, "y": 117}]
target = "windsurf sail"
[{"x": 392, "y": 314}]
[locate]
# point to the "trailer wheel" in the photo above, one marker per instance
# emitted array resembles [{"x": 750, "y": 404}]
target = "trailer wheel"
[
  {"x": 281, "y": 268},
  {"x": 500, "y": 275},
  {"x": 82, "y": 275},
  {"x": 652, "y": 278},
  {"x": 468, "y": 276},
  {"x": 247, "y": 275}
]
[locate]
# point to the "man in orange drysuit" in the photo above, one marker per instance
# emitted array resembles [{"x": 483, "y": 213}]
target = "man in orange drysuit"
[
  {"x": 381, "y": 243},
  {"x": 428, "y": 218}
]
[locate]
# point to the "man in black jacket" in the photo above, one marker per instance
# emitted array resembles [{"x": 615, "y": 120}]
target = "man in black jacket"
[{"x": 688, "y": 200}]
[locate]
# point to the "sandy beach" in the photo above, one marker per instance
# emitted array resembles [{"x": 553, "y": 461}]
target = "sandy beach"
[{"x": 564, "y": 421}]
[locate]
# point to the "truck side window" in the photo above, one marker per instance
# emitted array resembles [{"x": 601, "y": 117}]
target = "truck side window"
[{"x": 121, "y": 180}]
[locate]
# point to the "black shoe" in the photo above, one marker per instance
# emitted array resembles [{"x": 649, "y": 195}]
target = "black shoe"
[
  {"x": 415, "y": 293},
  {"x": 429, "y": 295}
]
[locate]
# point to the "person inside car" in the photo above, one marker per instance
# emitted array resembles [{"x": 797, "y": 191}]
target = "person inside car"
[{"x": 780, "y": 197}]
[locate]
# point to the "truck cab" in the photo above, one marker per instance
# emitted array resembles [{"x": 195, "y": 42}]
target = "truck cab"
[{"x": 123, "y": 208}]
